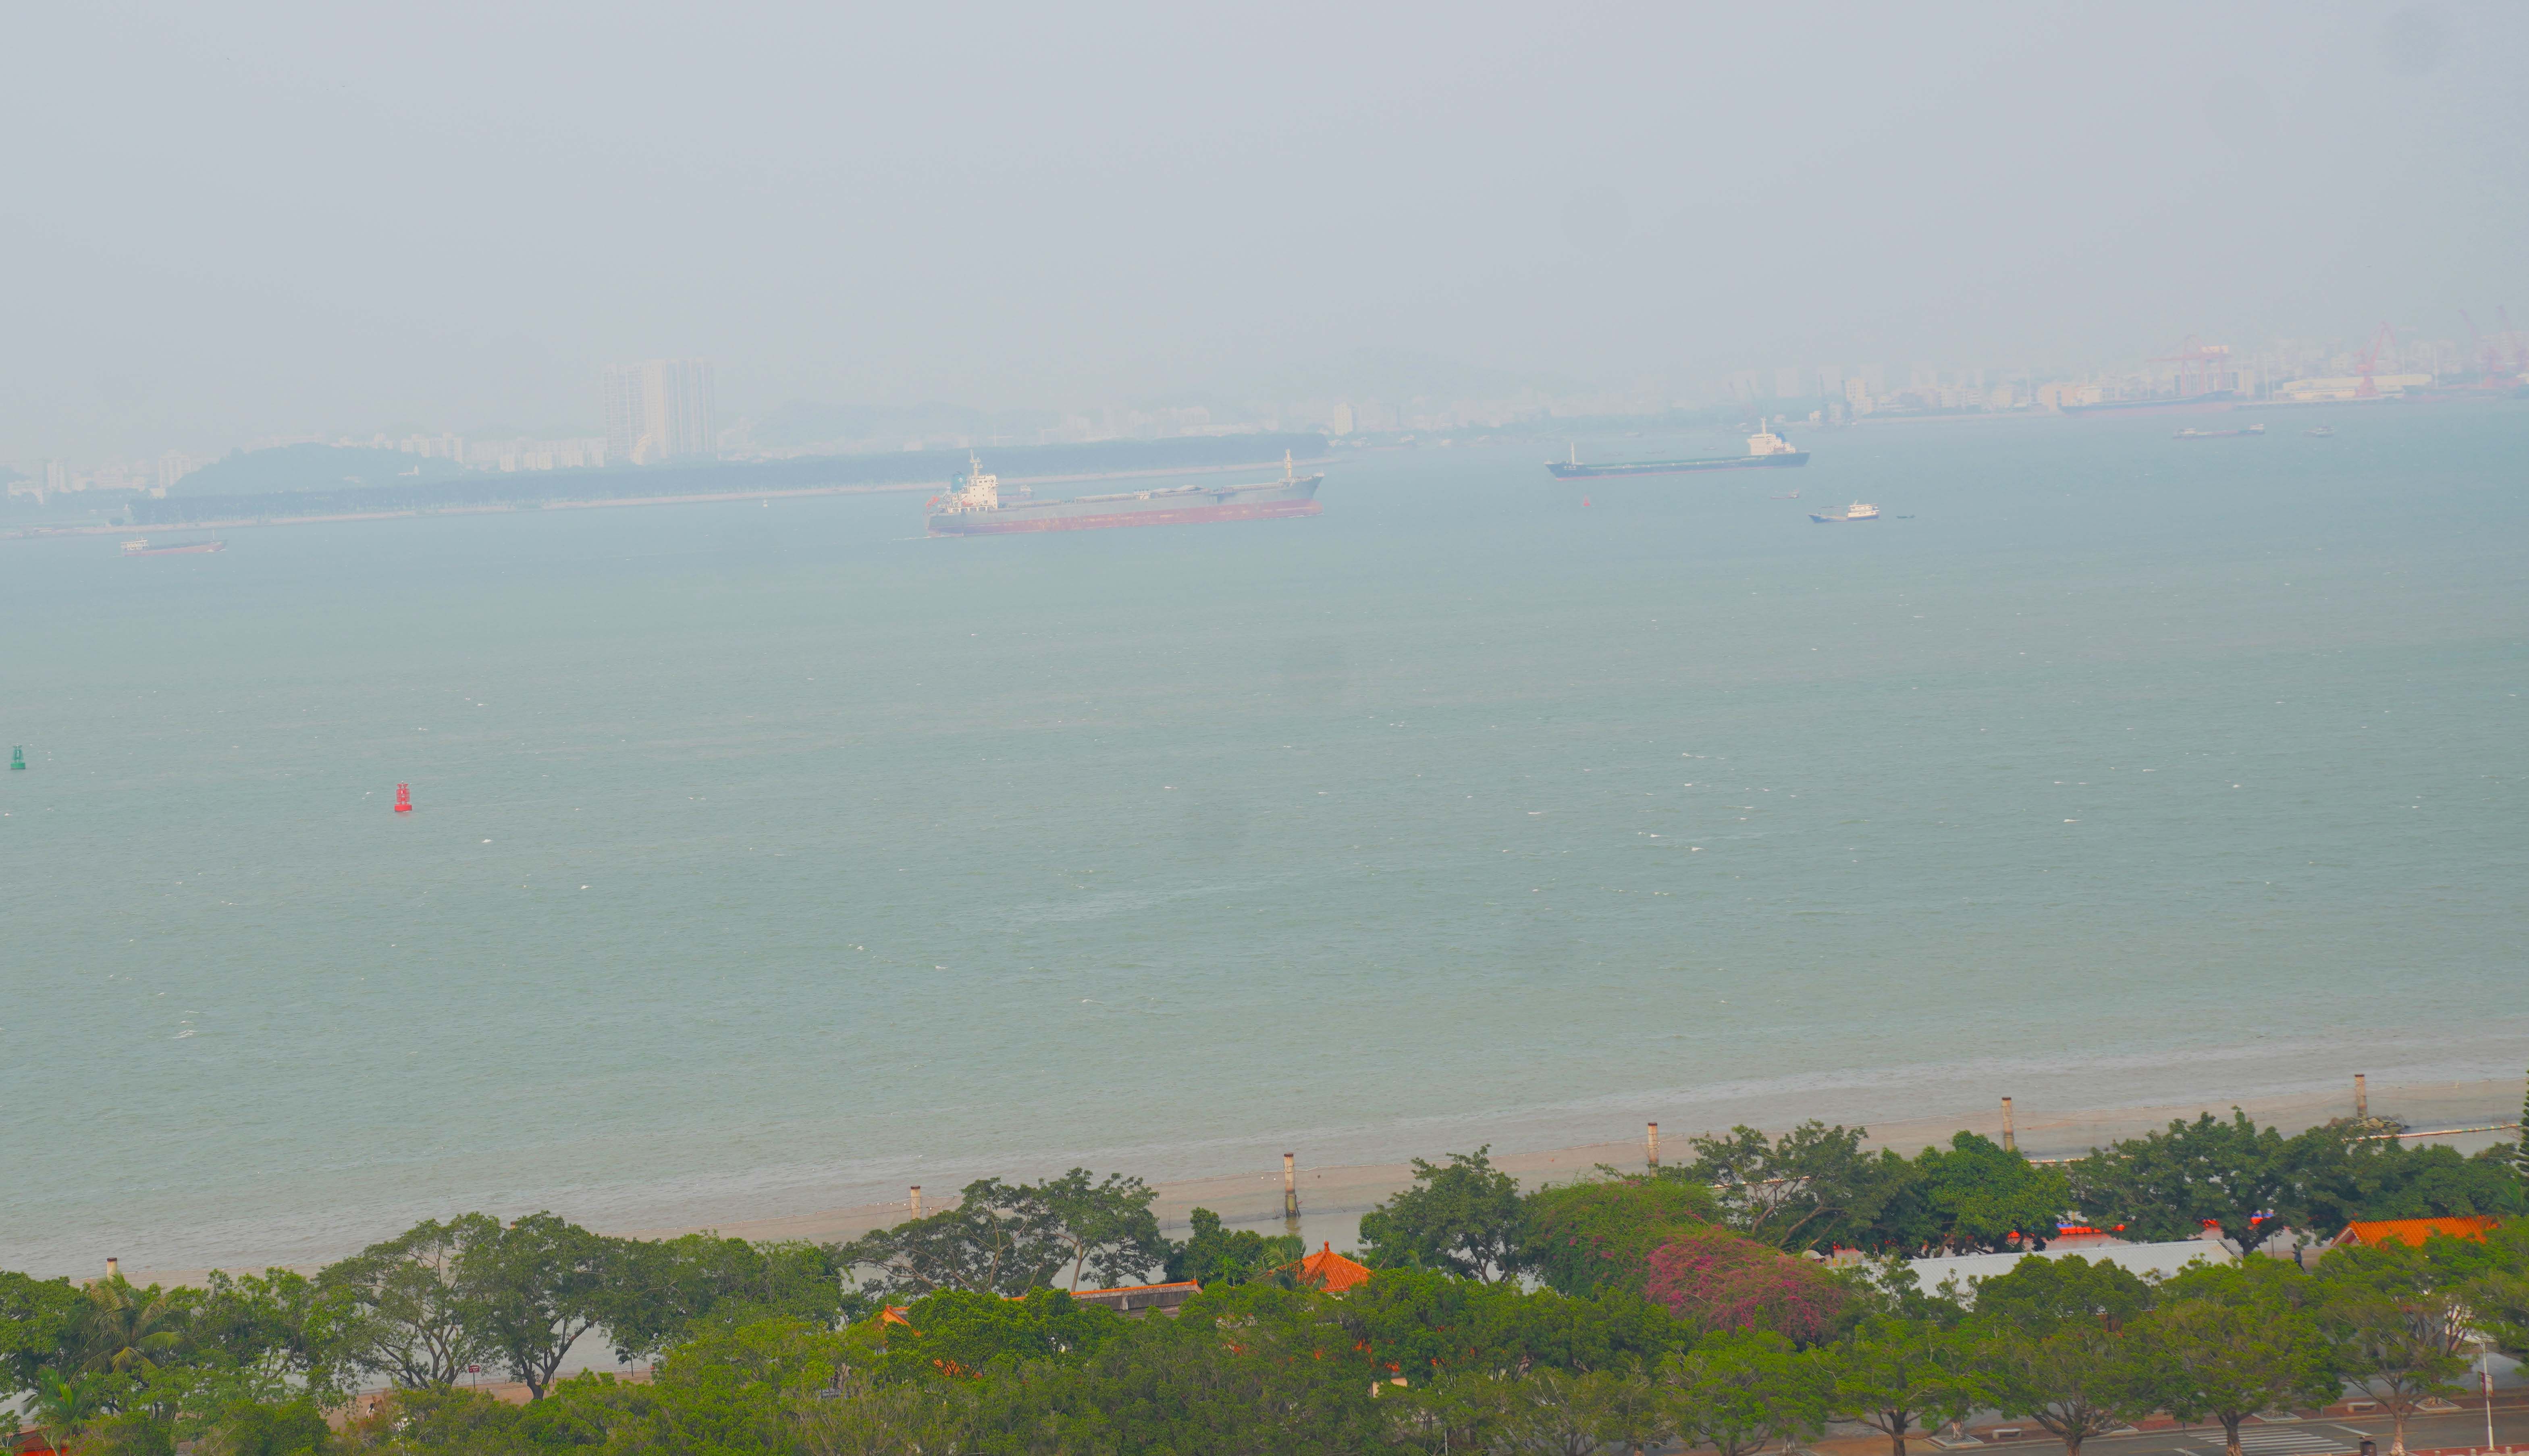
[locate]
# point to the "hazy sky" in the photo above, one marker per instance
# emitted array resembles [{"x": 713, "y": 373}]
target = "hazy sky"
[{"x": 226, "y": 220}]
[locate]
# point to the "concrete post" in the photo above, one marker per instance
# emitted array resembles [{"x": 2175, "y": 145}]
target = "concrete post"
[
  {"x": 916, "y": 1201},
  {"x": 2010, "y": 1140},
  {"x": 1291, "y": 1192},
  {"x": 1653, "y": 1158},
  {"x": 2361, "y": 1100}
]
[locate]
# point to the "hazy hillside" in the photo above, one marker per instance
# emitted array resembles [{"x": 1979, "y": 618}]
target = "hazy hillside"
[{"x": 307, "y": 467}]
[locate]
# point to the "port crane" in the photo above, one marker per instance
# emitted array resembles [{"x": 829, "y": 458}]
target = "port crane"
[
  {"x": 2499, "y": 359},
  {"x": 2367, "y": 390},
  {"x": 2199, "y": 365}
]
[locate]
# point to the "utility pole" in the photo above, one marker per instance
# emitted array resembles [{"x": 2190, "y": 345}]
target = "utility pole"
[
  {"x": 916, "y": 1201},
  {"x": 2009, "y": 1142},
  {"x": 2361, "y": 1100},
  {"x": 1290, "y": 1194},
  {"x": 1653, "y": 1158}
]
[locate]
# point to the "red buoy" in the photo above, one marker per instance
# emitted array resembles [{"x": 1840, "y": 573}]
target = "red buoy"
[{"x": 404, "y": 798}]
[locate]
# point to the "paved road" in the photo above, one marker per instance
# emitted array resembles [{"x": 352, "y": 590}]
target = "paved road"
[{"x": 2322, "y": 1437}]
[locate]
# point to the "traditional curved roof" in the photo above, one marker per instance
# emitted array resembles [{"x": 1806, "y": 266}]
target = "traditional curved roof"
[
  {"x": 1331, "y": 1271},
  {"x": 2373, "y": 1233}
]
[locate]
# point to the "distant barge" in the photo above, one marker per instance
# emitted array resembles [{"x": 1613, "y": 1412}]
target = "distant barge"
[
  {"x": 974, "y": 507},
  {"x": 1764, "y": 448},
  {"x": 139, "y": 546}
]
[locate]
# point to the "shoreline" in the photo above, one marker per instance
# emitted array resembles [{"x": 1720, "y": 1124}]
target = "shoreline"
[
  {"x": 1334, "y": 1196},
  {"x": 251, "y": 523}
]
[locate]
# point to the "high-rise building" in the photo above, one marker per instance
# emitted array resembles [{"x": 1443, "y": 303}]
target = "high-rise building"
[
  {"x": 173, "y": 466},
  {"x": 661, "y": 409}
]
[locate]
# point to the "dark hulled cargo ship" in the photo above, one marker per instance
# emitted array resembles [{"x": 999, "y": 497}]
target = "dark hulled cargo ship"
[
  {"x": 975, "y": 504},
  {"x": 1764, "y": 448}
]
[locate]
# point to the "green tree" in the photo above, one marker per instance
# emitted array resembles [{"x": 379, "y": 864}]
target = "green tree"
[
  {"x": 1811, "y": 1188},
  {"x": 1555, "y": 1414},
  {"x": 964, "y": 1333},
  {"x": 2347, "y": 1179},
  {"x": 2082, "y": 1379},
  {"x": 1579, "y": 1236},
  {"x": 65, "y": 1403},
  {"x": 293, "y": 1427},
  {"x": 1180, "y": 1386},
  {"x": 1106, "y": 1226},
  {"x": 2167, "y": 1185},
  {"x": 126, "y": 1329},
  {"x": 408, "y": 1313},
  {"x": 664, "y": 1291},
  {"x": 2519, "y": 1149},
  {"x": 1462, "y": 1216},
  {"x": 1973, "y": 1197},
  {"x": 1626, "y": 1411},
  {"x": 443, "y": 1422},
  {"x": 2497, "y": 1288},
  {"x": 278, "y": 1322},
  {"x": 1738, "y": 1390},
  {"x": 1456, "y": 1411},
  {"x": 1212, "y": 1254},
  {"x": 2042, "y": 1295},
  {"x": 39, "y": 1320},
  {"x": 1898, "y": 1375},
  {"x": 2226, "y": 1361},
  {"x": 1000, "y": 1237},
  {"x": 859, "y": 1416},
  {"x": 2395, "y": 1327},
  {"x": 532, "y": 1289},
  {"x": 1421, "y": 1324}
]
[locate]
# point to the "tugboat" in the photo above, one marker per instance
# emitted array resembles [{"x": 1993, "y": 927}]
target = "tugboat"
[{"x": 1855, "y": 512}]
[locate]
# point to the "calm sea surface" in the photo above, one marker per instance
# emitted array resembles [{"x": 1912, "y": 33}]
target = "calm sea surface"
[{"x": 769, "y": 858}]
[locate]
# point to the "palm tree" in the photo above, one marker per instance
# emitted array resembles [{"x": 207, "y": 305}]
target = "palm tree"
[
  {"x": 65, "y": 1404},
  {"x": 126, "y": 1330}
]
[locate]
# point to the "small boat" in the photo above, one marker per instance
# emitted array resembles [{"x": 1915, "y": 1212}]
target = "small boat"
[
  {"x": 139, "y": 546},
  {"x": 2193, "y": 434},
  {"x": 1855, "y": 512},
  {"x": 2323, "y": 432},
  {"x": 1794, "y": 496}
]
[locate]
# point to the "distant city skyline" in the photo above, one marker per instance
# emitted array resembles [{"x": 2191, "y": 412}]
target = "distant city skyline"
[
  {"x": 410, "y": 223},
  {"x": 664, "y": 409}
]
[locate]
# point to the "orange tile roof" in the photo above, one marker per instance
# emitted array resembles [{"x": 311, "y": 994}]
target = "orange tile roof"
[
  {"x": 2373, "y": 1233},
  {"x": 1331, "y": 1271}
]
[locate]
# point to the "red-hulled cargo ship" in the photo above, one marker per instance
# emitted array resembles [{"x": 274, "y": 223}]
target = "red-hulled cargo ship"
[{"x": 976, "y": 506}]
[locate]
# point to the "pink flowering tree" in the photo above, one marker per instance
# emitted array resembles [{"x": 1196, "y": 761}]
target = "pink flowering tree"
[{"x": 1715, "y": 1281}]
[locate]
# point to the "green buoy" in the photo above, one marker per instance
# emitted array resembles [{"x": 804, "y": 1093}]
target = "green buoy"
[{"x": 18, "y": 758}]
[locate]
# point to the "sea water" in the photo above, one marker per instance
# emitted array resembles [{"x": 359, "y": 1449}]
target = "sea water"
[{"x": 768, "y": 858}]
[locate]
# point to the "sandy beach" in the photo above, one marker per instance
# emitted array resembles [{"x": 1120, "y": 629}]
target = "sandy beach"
[{"x": 1332, "y": 1199}]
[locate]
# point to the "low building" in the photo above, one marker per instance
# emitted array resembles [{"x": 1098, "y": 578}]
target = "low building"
[
  {"x": 1331, "y": 1271},
  {"x": 2150, "y": 1261},
  {"x": 2346, "y": 388},
  {"x": 2371, "y": 1234},
  {"x": 1136, "y": 1300}
]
